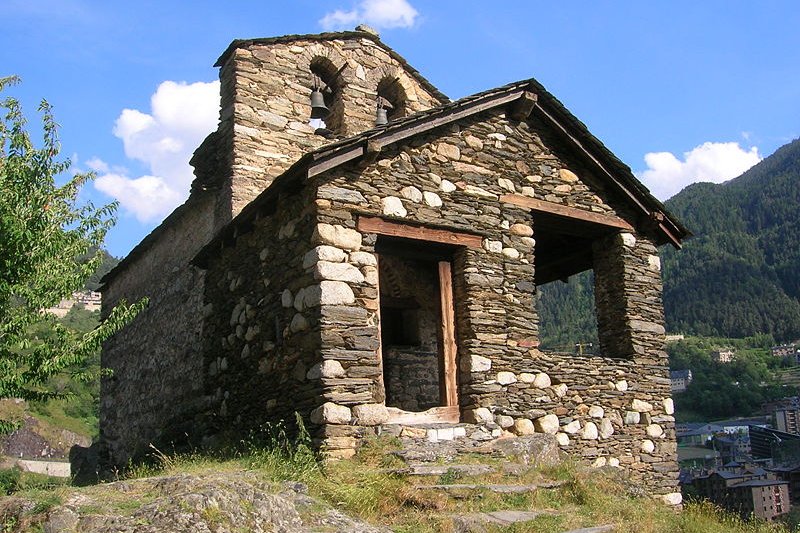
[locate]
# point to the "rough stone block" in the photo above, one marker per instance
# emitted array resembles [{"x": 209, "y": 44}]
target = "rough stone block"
[
  {"x": 337, "y": 236},
  {"x": 324, "y": 253},
  {"x": 590, "y": 431},
  {"x": 648, "y": 446},
  {"x": 370, "y": 414},
  {"x": 547, "y": 424},
  {"x": 393, "y": 206},
  {"x": 331, "y": 413},
  {"x": 329, "y": 293},
  {"x": 595, "y": 411},
  {"x": 523, "y": 426},
  {"x": 542, "y": 381},
  {"x": 481, "y": 415},
  {"x": 338, "y": 272},
  {"x": 363, "y": 259},
  {"x": 506, "y": 378},
  {"x": 669, "y": 406},
  {"x": 326, "y": 369},
  {"x": 476, "y": 363},
  {"x": 641, "y": 406}
]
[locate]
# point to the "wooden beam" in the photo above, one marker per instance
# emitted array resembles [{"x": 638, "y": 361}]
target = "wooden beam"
[
  {"x": 565, "y": 211},
  {"x": 420, "y": 233},
  {"x": 447, "y": 349},
  {"x": 318, "y": 167},
  {"x": 523, "y": 107}
]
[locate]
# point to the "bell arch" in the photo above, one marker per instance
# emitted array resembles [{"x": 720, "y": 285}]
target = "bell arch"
[{"x": 327, "y": 78}]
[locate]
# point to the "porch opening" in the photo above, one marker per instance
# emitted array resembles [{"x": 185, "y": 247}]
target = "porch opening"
[{"x": 570, "y": 314}]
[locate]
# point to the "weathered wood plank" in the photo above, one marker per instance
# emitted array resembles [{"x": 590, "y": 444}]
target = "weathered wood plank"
[
  {"x": 422, "y": 233},
  {"x": 431, "y": 416},
  {"x": 449, "y": 389},
  {"x": 565, "y": 211}
]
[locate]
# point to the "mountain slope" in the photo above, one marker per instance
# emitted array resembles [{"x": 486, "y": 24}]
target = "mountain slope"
[{"x": 740, "y": 274}]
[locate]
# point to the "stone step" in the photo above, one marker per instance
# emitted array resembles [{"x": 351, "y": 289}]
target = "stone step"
[
  {"x": 473, "y": 522},
  {"x": 500, "y": 489},
  {"x": 596, "y": 529},
  {"x": 438, "y": 470}
]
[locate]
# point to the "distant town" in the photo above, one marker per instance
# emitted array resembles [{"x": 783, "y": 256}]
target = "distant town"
[{"x": 750, "y": 466}]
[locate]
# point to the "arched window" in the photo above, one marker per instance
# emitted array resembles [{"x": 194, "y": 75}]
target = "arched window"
[
  {"x": 392, "y": 98},
  {"x": 327, "y": 79}
]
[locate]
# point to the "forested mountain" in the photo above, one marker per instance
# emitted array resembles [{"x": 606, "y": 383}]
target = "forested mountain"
[
  {"x": 737, "y": 277},
  {"x": 740, "y": 274}
]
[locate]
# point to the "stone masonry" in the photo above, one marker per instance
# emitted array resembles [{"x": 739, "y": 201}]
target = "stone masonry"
[{"x": 285, "y": 301}]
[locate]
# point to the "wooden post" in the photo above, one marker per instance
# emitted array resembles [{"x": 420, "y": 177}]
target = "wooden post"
[
  {"x": 449, "y": 390},
  {"x": 380, "y": 386}
]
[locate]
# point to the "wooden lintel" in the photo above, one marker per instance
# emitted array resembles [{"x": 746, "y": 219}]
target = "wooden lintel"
[
  {"x": 422, "y": 233},
  {"x": 325, "y": 164},
  {"x": 523, "y": 106},
  {"x": 565, "y": 211}
]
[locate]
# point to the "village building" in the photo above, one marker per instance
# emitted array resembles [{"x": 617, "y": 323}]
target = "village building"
[
  {"x": 680, "y": 380},
  {"x": 379, "y": 279},
  {"x": 723, "y": 356},
  {"x": 748, "y": 491}
]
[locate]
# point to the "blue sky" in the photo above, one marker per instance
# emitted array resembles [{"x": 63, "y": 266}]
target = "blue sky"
[{"x": 681, "y": 91}]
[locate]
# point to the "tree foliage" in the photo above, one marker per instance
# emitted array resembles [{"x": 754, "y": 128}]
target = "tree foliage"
[
  {"x": 739, "y": 275},
  {"x": 50, "y": 245},
  {"x": 720, "y": 390}
]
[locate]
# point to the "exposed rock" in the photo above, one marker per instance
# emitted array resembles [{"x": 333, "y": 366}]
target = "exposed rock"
[{"x": 535, "y": 450}]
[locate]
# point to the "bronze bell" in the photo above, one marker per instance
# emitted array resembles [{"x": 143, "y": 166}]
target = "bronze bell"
[
  {"x": 318, "y": 107},
  {"x": 380, "y": 117}
]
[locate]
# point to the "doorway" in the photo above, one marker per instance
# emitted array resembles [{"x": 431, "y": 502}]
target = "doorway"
[{"x": 417, "y": 330}]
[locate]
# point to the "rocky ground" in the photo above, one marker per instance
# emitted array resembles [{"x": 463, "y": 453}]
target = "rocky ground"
[{"x": 444, "y": 490}]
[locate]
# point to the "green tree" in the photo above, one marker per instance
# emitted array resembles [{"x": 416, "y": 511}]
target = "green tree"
[{"x": 49, "y": 246}]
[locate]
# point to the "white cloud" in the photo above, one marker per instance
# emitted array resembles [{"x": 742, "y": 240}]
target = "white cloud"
[
  {"x": 181, "y": 116},
  {"x": 377, "y": 13},
  {"x": 147, "y": 197},
  {"x": 97, "y": 164},
  {"x": 711, "y": 161}
]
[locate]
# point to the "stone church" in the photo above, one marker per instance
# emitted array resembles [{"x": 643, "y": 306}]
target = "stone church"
[{"x": 363, "y": 251}]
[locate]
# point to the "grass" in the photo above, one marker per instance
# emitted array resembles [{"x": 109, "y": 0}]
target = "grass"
[{"x": 365, "y": 487}]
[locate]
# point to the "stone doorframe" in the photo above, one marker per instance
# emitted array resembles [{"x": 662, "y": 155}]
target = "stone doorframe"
[{"x": 449, "y": 410}]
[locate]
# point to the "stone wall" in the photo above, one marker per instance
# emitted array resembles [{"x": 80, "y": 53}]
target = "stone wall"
[
  {"x": 261, "y": 335},
  {"x": 157, "y": 383}
]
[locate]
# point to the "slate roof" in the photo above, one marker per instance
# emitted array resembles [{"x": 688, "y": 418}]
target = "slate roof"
[{"x": 356, "y": 146}]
